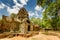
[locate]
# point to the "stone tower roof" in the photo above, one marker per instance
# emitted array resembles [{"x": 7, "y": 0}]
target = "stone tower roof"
[{"x": 23, "y": 13}]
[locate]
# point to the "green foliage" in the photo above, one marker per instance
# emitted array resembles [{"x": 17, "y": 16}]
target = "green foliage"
[
  {"x": 13, "y": 16},
  {"x": 46, "y": 22},
  {"x": 36, "y": 21},
  {"x": 44, "y": 2},
  {"x": 50, "y": 15}
]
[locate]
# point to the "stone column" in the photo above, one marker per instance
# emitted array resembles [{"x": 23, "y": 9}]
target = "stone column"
[{"x": 31, "y": 27}]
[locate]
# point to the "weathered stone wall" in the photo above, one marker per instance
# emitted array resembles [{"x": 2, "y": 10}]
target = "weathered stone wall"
[
  {"x": 21, "y": 23},
  {"x": 24, "y": 20},
  {"x": 6, "y": 26}
]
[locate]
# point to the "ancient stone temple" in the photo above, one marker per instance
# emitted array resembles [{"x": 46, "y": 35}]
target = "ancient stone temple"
[
  {"x": 21, "y": 23},
  {"x": 25, "y": 24}
]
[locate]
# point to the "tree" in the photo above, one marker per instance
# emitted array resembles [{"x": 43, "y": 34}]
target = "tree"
[
  {"x": 36, "y": 21},
  {"x": 13, "y": 16},
  {"x": 46, "y": 22},
  {"x": 51, "y": 11}
]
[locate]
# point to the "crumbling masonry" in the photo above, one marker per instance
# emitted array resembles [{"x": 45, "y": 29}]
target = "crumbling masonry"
[{"x": 20, "y": 22}]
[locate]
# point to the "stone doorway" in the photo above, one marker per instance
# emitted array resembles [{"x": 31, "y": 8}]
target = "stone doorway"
[{"x": 28, "y": 27}]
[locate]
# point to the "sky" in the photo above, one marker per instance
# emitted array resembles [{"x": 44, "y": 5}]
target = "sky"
[{"x": 7, "y": 7}]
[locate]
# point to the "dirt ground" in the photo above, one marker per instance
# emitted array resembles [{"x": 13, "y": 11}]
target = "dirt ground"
[{"x": 40, "y": 36}]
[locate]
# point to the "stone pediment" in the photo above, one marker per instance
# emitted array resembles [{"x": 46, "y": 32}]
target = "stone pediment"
[{"x": 22, "y": 13}]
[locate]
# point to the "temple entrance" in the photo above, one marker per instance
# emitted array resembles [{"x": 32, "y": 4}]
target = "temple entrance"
[{"x": 28, "y": 27}]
